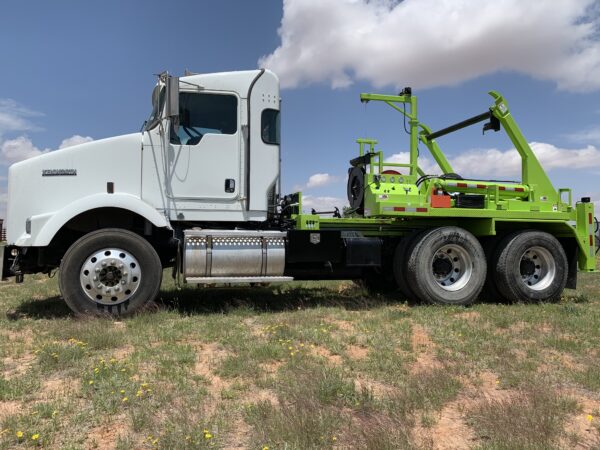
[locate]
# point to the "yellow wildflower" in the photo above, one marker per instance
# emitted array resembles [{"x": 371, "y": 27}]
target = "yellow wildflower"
[
  {"x": 19, "y": 434},
  {"x": 139, "y": 393},
  {"x": 96, "y": 370},
  {"x": 91, "y": 382},
  {"x": 125, "y": 399},
  {"x": 589, "y": 417},
  {"x": 265, "y": 448},
  {"x": 35, "y": 437},
  {"x": 122, "y": 391},
  {"x": 144, "y": 385}
]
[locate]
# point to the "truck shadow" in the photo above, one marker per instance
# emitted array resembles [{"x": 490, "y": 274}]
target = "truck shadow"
[
  {"x": 267, "y": 299},
  {"x": 224, "y": 300}
]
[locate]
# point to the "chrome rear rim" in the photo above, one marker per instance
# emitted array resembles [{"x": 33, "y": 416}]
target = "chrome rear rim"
[
  {"x": 537, "y": 268},
  {"x": 452, "y": 267}
]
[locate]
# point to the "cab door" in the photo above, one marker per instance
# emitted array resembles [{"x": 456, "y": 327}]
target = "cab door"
[{"x": 205, "y": 149}]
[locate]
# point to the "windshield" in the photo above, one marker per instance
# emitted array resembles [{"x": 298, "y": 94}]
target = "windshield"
[{"x": 158, "y": 102}]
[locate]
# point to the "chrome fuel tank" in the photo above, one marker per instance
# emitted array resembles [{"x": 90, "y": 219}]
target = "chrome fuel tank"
[{"x": 223, "y": 254}]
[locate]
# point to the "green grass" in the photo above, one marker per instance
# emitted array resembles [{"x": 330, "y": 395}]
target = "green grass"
[{"x": 301, "y": 366}]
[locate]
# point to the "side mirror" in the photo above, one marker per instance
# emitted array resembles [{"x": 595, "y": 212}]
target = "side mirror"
[{"x": 172, "y": 109}]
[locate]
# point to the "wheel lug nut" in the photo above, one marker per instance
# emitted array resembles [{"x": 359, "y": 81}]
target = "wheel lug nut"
[
  {"x": 95, "y": 278},
  {"x": 108, "y": 291},
  {"x": 103, "y": 263},
  {"x": 99, "y": 286},
  {"x": 122, "y": 281},
  {"x": 97, "y": 269},
  {"x": 121, "y": 266}
]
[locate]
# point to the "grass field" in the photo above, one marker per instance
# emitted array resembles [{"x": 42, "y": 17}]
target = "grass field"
[{"x": 307, "y": 365}]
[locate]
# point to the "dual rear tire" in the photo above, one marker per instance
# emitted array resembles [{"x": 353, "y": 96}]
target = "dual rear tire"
[{"x": 449, "y": 266}]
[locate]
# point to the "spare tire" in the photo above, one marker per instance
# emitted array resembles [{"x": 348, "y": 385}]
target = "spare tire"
[{"x": 356, "y": 189}]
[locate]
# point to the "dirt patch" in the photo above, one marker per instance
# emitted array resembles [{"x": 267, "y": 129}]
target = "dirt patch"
[
  {"x": 323, "y": 352},
  {"x": 378, "y": 389},
  {"x": 451, "y": 430},
  {"x": 239, "y": 436},
  {"x": 123, "y": 353},
  {"x": 356, "y": 352},
  {"x": 10, "y": 409},
  {"x": 580, "y": 425},
  {"x": 255, "y": 395},
  {"x": 424, "y": 349},
  {"x": 553, "y": 358},
  {"x": 207, "y": 357},
  {"x": 105, "y": 436},
  {"x": 58, "y": 387},
  {"x": 15, "y": 367},
  {"x": 469, "y": 315},
  {"x": 271, "y": 367},
  {"x": 343, "y": 325}
]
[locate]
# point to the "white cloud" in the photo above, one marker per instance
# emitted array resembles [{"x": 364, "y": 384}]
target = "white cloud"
[
  {"x": 18, "y": 149},
  {"x": 426, "y": 164},
  {"x": 424, "y": 43},
  {"x": 588, "y": 135},
  {"x": 320, "y": 179},
  {"x": 498, "y": 163},
  {"x": 492, "y": 162},
  {"x": 75, "y": 140},
  {"x": 15, "y": 117},
  {"x": 322, "y": 203}
]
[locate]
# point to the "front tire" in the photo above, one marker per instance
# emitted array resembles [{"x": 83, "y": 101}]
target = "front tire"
[
  {"x": 109, "y": 271},
  {"x": 531, "y": 266},
  {"x": 447, "y": 266}
]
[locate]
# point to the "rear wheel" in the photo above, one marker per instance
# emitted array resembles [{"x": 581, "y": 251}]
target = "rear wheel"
[
  {"x": 401, "y": 254},
  {"x": 447, "y": 266},
  {"x": 531, "y": 266},
  {"x": 109, "y": 271}
]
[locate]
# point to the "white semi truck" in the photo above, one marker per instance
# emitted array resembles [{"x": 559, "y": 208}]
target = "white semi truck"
[{"x": 198, "y": 189}]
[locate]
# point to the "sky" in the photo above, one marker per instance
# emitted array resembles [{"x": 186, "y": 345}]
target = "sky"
[{"x": 73, "y": 71}]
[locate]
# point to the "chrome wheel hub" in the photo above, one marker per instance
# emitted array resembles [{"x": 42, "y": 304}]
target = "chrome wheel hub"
[
  {"x": 452, "y": 267},
  {"x": 537, "y": 268},
  {"x": 110, "y": 276}
]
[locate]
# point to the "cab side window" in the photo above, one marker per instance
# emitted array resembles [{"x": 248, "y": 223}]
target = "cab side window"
[
  {"x": 270, "y": 126},
  {"x": 201, "y": 114}
]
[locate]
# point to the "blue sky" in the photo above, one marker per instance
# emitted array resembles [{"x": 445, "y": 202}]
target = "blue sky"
[{"x": 76, "y": 70}]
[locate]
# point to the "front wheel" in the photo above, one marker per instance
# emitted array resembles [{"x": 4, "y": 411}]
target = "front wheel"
[{"x": 110, "y": 271}]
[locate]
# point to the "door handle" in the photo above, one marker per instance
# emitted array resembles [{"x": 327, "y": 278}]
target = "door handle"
[{"x": 229, "y": 185}]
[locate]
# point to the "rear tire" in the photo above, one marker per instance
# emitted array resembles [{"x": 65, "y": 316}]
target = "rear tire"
[
  {"x": 401, "y": 255},
  {"x": 109, "y": 272},
  {"x": 447, "y": 266},
  {"x": 531, "y": 266}
]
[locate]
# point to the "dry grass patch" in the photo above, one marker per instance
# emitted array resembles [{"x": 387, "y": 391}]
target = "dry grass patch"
[{"x": 530, "y": 418}]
